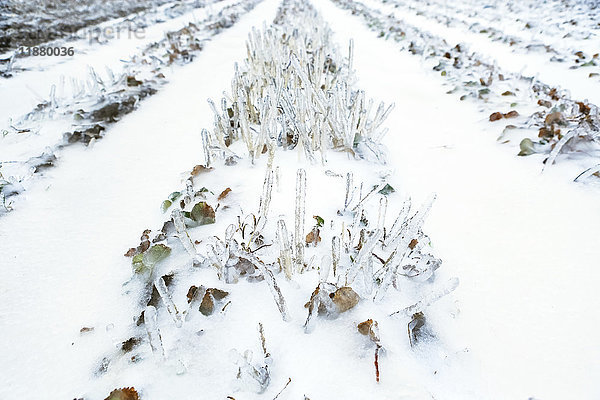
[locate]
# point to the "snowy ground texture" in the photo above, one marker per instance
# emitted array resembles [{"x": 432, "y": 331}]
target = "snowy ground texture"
[{"x": 381, "y": 199}]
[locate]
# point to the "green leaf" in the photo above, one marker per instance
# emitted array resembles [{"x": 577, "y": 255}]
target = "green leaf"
[
  {"x": 387, "y": 189},
  {"x": 146, "y": 261},
  {"x": 174, "y": 196},
  {"x": 138, "y": 263},
  {"x": 203, "y": 214},
  {"x": 527, "y": 147},
  {"x": 156, "y": 254},
  {"x": 320, "y": 221},
  {"x": 165, "y": 205}
]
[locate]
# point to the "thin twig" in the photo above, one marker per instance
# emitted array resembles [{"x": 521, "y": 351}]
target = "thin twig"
[{"x": 286, "y": 385}]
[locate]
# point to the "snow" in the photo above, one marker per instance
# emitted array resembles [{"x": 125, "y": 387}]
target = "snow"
[
  {"x": 528, "y": 64},
  {"x": 524, "y": 244},
  {"x": 62, "y": 266}
]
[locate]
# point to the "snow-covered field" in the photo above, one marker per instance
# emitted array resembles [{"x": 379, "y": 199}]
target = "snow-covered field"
[{"x": 287, "y": 246}]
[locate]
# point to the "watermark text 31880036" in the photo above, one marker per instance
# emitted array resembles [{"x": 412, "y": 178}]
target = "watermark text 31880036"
[{"x": 46, "y": 51}]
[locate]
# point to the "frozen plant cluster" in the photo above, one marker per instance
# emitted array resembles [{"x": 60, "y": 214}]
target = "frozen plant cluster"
[
  {"x": 207, "y": 260},
  {"x": 294, "y": 90}
]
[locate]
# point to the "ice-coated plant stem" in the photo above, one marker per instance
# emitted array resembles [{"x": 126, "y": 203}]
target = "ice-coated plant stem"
[
  {"x": 324, "y": 268},
  {"x": 182, "y": 233},
  {"x": 265, "y": 199},
  {"x": 161, "y": 287},
  {"x": 299, "y": 220},
  {"x": 383, "y": 202},
  {"x": 271, "y": 282},
  {"x": 335, "y": 253},
  {"x": 206, "y": 147},
  {"x": 151, "y": 324},
  {"x": 285, "y": 249},
  {"x": 349, "y": 190}
]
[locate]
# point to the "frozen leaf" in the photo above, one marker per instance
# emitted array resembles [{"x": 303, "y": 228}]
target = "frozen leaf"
[
  {"x": 387, "y": 190},
  {"x": 415, "y": 328},
  {"x": 145, "y": 262},
  {"x": 224, "y": 194},
  {"x": 413, "y": 243},
  {"x": 313, "y": 237},
  {"x": 130, "y": 344},
  {"x": 131, "y": 81},
  {"x": 198, "y": 169},
  {"x": 164, "y": 207},
  {"x": 369, "y": 328},
  {"x": 192, "y": 293},
  {"x": 207, "y": 307},
  {"x": 174, "y": 196},
  {"x": 544, "y": 103},
  {"x": 123, "y": 394},
  {"x": 555, "y": 118},
  {"x": 131, "y": 252},
  {"x": 156, "y": 253},
  {"x": 345, "y": 298},
  {"x": 496, "y": 116},
  {"x": 218, "y": 294},
  {"x": 527, "y": 147},
  {"x": 203, "y": 214}
]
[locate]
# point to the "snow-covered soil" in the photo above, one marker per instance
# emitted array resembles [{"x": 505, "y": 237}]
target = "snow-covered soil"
[
  {"x": 525, "y": 246},
  {"x": 531, "y": 63},
  {"x": 62, "y": 263}
]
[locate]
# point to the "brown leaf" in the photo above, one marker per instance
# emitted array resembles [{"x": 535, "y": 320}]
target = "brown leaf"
[
  {"x": 365, "y": 327},
  {"x": 555, "y": 118},
  {"x": 192, "y": 293},
  {"x": 345, "y": 298},
  {"x": 131, "y": 81},
  {"x": 203, "y": 213},
  {"x": 218, "y": 294},
  {"x": 130, "y": 344},
  {"x": 413, "y": 243},
  {"x": 496, "y": 116},
  {"x": 198, "y": 169},
  {"x": 369, "y": 328},
  {"x": 544, "y": 103},
  {"x": 545, "y": 133},
  {"x": 131, "y": 252},
  {"x": 511, "y": 114},
  {"x": 224, "y": 194},
  {"x": 207, "y": 307},
  {"x": 313, "y": 237},
  {"x": 583, "y": 108},
  {"x": 85, "y": 329},
  {"x": 123, "y": 394}
]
